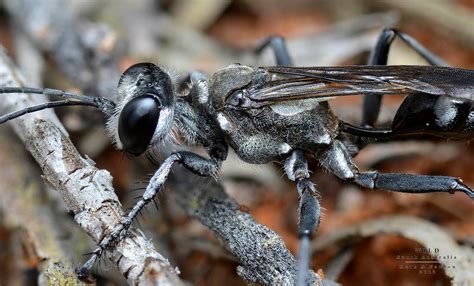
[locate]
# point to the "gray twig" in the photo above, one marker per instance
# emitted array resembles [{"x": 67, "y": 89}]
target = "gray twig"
[
  {"x": 25, "y": 208},
  {"x": 87, "y": 191},
  {"x": 262, "y": 254}
]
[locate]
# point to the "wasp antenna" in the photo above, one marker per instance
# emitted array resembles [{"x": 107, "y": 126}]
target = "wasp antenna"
[
  {"x": 46, "y": 91},
  {"x": 105, "y": 105},
  {"x": 34, "y": 108}
]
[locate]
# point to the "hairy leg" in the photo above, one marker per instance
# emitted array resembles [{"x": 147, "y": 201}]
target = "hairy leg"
[
  {"x": 195, "y": 163},
  {"x": 296, "y": 168}
]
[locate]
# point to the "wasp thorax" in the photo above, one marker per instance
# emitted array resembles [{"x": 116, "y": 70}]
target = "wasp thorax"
[{"x": 144, "y": 114}]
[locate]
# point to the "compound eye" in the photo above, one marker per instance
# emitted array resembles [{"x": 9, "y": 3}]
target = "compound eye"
[{"x": 137, "y": 123}]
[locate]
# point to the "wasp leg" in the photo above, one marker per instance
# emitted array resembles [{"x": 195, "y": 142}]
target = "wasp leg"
[
  {"x": 336, "y": 159},
  {"x": 411, "y": 183},
  {"x": 279, "y": 48},
  {"x": 379, "y": 56},
  {"x": 296, "y": 168},
  {"x": 195, "y": 163}
]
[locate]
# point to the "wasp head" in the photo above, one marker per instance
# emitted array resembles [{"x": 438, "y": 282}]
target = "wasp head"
[{"x": 145, "y": 109}]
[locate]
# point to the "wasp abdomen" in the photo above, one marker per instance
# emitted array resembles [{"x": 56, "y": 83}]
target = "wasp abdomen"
[{"x": 432, "y": 114}]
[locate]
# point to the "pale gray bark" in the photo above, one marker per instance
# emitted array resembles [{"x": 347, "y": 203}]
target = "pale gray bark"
[
  {"x": 262, "y": 254},
  {"x": 87, "y": 191}
]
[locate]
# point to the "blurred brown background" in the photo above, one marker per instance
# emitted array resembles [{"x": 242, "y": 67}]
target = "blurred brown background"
[{"x": 210, "y": 34}]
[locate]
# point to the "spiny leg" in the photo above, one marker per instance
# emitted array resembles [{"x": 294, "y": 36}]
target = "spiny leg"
[
  {"x": 379, "y": 56},
  {"x": 279, "y": 48},
  {"x": 195, "y": 163},
  {"x": 296, "y": 168}
]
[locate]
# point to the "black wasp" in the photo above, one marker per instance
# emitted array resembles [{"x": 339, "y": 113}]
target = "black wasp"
[{"x": 281, "y": 113}]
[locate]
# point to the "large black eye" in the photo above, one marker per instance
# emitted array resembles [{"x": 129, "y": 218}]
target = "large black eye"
[{"x": 137, "y": 123}]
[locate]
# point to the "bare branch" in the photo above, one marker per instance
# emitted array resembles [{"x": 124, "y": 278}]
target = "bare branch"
[
  {"x": 87, "y": 191},
  {"x": 25, "y": 208},
  {"x": 262, "y": 254}
]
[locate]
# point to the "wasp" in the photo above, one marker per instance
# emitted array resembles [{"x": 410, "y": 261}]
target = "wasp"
[{"x": 281, "y": 113}]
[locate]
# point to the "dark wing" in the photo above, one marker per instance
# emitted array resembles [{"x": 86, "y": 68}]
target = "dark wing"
[{"x": 295, "y": 83}]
